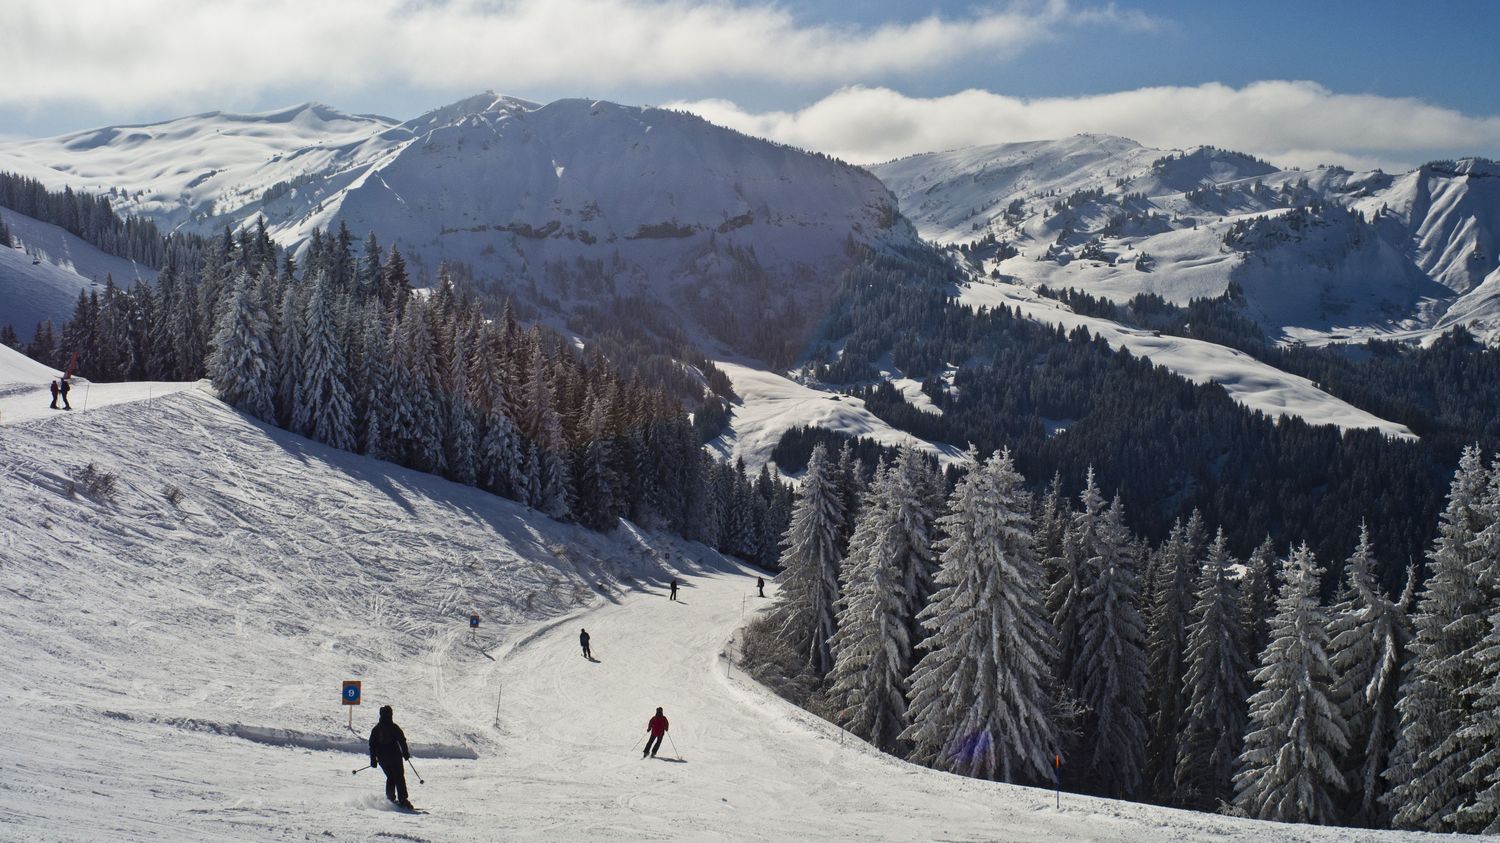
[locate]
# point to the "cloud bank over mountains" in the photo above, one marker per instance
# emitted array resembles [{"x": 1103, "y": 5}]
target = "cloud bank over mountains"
[
  {"x": 1289, "y": 122},
  {"x": 767, "y": 68}
]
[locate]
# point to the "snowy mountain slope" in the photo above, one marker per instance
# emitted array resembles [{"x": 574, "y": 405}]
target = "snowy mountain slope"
[
  {"x": 1248, "y": 381},
  {"x": 43, "y": 272},
  {"x": 173, "y": 668},
  {"x": 573, "y": 200},
  {"x": 769, "y": 405},
  {"x": 1328, "y": 252},
  {"x": 202, "y": 171}
]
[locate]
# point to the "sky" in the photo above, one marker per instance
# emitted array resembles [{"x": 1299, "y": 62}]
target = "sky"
[{"x": 1367, "y": 83}]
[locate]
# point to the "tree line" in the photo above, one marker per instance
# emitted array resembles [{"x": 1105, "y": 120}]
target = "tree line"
[
  {"x": 340, "y": 348},
  {"x": 991, "y": 632}
]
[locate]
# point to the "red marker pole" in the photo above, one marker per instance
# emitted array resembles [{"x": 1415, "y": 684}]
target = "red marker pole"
[{"x": 1057, "y": 778}]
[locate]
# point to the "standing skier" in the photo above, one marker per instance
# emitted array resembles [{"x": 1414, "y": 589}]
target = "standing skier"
[
  {"x": 54, "y": 395},
  {"x": 760, "y": 583},
  {"x": 63, "y": 390},
  {"x": 657, "y": 726},
  {"x": 674, "y": 588},
  {"x": 388, "y": 749},
  {"x": 583, "y": 641}
]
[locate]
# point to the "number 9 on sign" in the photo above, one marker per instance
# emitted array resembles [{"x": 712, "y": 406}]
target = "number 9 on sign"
[{"x": 351, "y": 692}]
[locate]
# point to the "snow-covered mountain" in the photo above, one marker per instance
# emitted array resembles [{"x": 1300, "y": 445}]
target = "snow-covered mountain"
[
  {"x": 574, "y": 199},
  {"x": 1320, "y": 254}
]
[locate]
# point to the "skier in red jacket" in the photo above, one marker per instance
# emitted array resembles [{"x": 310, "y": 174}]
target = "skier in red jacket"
[{"x": 657, "y": 727}]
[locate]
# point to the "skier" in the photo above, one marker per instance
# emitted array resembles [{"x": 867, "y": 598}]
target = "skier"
[
  {"x": 388, "y": 749},
  {"x": 63, "y": 390},
  {"x": 657, "y": 726},
  {"x": 674, "y": 588},
  {"x": 583, "y": 641},
  {"x": 54, "y": 395},
  {"x": 760, "y": 583}
]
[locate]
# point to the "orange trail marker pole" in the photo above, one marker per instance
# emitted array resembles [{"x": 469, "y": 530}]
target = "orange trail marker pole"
[{"x": 1057, "y": 778}]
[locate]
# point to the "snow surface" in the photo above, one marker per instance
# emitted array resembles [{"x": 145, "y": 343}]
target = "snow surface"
[
  {"x": 24, "y": 392},
  {"x": 771, "y": 404},
  {"x": 1248, "y": 381},
  {"x": 1410, "y": 267},
  {"x": 31, "y": 292},
  {"x": 173, "y": 669}
]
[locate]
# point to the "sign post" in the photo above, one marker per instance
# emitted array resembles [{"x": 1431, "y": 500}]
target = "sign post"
[
  {"x": 473, "y": 624},
  {"x": 349, "y": 696}
]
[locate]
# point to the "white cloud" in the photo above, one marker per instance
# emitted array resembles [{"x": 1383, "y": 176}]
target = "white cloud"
[
  {"x": 1294, "y": 123},
  {"x": 109, "y": 54}
]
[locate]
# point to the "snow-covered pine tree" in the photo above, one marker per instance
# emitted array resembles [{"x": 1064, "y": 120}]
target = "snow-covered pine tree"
[
  {"x": 1258, "y": 598},
  {"x": 461, "y": 442},
  {"x": 808, "y": 602},
  {"x": 415, "y": 434},
  {"x": 596, "y": 505},
  {"x": 1170, "y": 601},
  {"x": 1065, "y": 600},
  {"x": 501, "y": 460},
  {"x": 982, "y": 695},
  {"x": 1112, "y": 669},
  {"x": 243, "y": 361},
  {"x": 872, "y": 647},
  {"x": 1289, "y": 768},
  {"x": 1481, "y": 811},
  {"x": 1367, "y": 640},
  {"x": 851, "y": 484},
  {"x": 288, "y": 354},
  {"x": 914, "y": 520},
  {"x": 376, "y": 378},
  {"x": 324, "y": 410},
  {"x": 1216, "y": 685},
  {"x": 1439, "y": 688},
  {"x": 1481, "y": 781}
]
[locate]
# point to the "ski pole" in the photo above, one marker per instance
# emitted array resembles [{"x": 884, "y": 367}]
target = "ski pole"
[
  {"x": 637, "y": 742},
  {"x": 357, "y": 770},
  {"x": 414, "y": 771},
  {"x": 674, "y": 746}
]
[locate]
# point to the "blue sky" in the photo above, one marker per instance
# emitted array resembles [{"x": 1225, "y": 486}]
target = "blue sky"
[{"x": 1378, "y": 82}]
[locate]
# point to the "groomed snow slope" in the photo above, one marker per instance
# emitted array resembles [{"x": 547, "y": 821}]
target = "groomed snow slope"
[
  {"x": 1248, "y": 381},
  {"x": 173, "y": 670}
]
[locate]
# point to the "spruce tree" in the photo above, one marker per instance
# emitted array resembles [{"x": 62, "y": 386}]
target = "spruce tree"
[
  {"x": 872, "y": 648},
  {"x": 324, "y": 409},
  {"x": 806, "y": 615},
  {"x": 1216, "y": 685},
  {"x": 1438, "y": 691},
  {"x": 1065, "y": 598},
  {"x": 1111, "y": 671},
  {"x": 982, "y": 695},
  {"x": 243, "y": 363},
  {"x": 1368, "y": 638},
  {"x": 1481, "y": 811},
  {"x": 1258, "y": 598},
  {"x": 1289, "y": 768}
]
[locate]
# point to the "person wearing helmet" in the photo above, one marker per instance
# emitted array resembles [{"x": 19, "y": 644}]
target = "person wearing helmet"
[
  {"x": 657, "y": 726},
  {"x": 388, "y": 749}
]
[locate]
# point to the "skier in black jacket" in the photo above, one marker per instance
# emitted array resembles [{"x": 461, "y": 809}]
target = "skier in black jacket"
[{"x": 388, "y": 749}]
